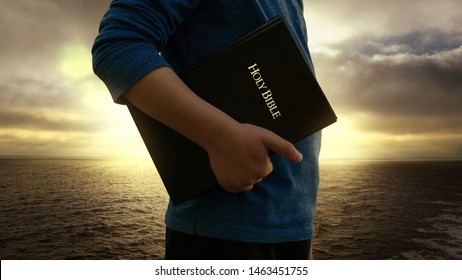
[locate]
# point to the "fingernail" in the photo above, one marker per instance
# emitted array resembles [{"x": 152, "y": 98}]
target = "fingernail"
[{"x": 298, "y": 156}]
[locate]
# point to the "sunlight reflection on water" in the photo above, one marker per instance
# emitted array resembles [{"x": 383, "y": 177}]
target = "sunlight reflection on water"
[{"x": 114, "y": 209}]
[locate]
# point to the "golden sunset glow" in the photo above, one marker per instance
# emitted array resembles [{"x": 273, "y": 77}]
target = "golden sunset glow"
[
  {"x": 393, "y": 78},
  {"x": 75, "y": 62}
]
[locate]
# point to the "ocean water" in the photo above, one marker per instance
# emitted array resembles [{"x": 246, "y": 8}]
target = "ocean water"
[
  {"x": 114, "y": 209},
  {"x": 390, "y": 210},
  {"x": 80, "y": 209}
]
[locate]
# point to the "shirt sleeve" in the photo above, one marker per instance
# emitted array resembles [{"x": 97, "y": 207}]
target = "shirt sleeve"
[{"x": 131, "y": 35}]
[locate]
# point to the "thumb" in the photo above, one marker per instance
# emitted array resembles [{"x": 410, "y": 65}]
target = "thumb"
[{"x": 279, "y": 145}]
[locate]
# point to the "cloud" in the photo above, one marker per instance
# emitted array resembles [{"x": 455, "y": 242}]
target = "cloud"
[
  {"x": 31, "y": 143},
  {"x": 33, "y": 33},
  {"x": 401, "y": 83},
  {"x": 25, "y": 92},
  {"x": 384, "y": 18},
  {"x": 44, "y": 105},
  {"x": 48, "y": 21},
  {"x": 50, "y": 101},
  {"x": 392, "y": 70}
]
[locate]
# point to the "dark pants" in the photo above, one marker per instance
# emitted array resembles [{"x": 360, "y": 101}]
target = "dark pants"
[{"x": 180, "y": 246}]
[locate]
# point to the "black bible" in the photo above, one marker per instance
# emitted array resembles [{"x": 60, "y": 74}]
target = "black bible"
[{"x": 261, "y": 79}]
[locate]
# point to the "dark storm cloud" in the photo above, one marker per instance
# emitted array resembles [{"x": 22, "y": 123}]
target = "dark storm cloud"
[
  {"x": 395, "y": 73},
  {"x": 392, "y": 72},
  {"x": 418, "y": 42},
  {"x": 408, "y": 83}
]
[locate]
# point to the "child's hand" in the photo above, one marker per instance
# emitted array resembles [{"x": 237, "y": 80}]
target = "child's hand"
[{"x": 240, "y": 159}]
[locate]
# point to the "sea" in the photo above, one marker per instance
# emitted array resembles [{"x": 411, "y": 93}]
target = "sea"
[{"x": 58, "y": 208}]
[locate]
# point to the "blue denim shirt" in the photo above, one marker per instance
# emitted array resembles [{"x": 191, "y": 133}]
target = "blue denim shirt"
[{"x": 138, "y": 36}]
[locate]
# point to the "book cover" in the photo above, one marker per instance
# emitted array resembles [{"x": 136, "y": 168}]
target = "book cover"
[{"x": 262, "y": 79}]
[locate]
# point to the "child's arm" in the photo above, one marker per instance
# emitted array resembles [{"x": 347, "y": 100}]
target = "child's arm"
[{"x": 238, "y": 152}]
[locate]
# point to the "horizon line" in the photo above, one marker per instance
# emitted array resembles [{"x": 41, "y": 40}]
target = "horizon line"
[{"x": 148, "y": 157}]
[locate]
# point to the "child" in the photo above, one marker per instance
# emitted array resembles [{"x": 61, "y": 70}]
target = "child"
[{"x": 265, "y": 206}]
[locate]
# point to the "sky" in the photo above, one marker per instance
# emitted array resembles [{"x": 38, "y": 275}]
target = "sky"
[{"x": 392, "y": 71}]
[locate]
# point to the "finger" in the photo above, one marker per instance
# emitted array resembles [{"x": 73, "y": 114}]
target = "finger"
[
  {"x": 256, "y": 181},
  {"x": 269, "y": 167},
  {"x": 238, "y": 189},
  {"x": 246, "y": 189},
  {"x": 281, "y": 146}
]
